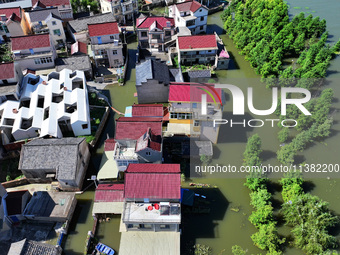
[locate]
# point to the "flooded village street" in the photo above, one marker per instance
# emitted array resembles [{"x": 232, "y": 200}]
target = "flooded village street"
[{"x": 224, "y": 226}]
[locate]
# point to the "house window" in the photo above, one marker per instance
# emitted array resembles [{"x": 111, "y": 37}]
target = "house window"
[
  {"x": 196, "y": 123},
  {"x": 84, "y": 126},
  {"x": 202, "y": 27},
  {"x": 39, "y": 61},
  {"x": 114, "y": 52},
  {"x": 200, "y": 10},
  {"x": 60, "y": 42},
  {"x": 6, "y": 29},
  {"x": 143, "y": 34},
  {"x": 164, "y": 226},
  {"x": 194, "y": 105},
  {"x": 57, "y": 32},
  {"x": 148, "y": 153},
  {"x": 112, "y": 37},
  {"x": 167, "y": 33},
  {"x": 99, "y": 40},
  {"x": 54, "y": 23},
  {"x": 202, "y": 18}
]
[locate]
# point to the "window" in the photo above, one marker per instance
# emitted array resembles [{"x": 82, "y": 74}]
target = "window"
[
  {"x": 143, "y": 34},
  {"x": 6, "y": 29},
  {"x": 99, "y": 40},
  {"x": 163, "y": 226},
  {"x": 200, "y": 10},
  {"x": 114, "y": 52},
  {"x": 84, "y": 126},
  {"x": 112, "y": 37},
  {"x": 148, "y": 153},
  {"x": 196, "y": 123},
  {"x": 54, "y": 23},
  {"x": 45, "y": 60},
  {"x": 202, "y": 27},
  {"x": 167, "y": 33},
  {"x": 57, "y": 32},
  {"x": 202, "y": 18}
]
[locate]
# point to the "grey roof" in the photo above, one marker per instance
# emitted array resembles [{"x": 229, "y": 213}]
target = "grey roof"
[
  {"x": 199, "y": 74},
  {"x": 201, "y": 148},
  {"x": 74, "y": 63},
  {"x": 79, "y": 25},
  {"x": 27, "y": 247},
  {"x": 55, "y": 154},
  {"x": 176, "y": 75},
  {"x": 8, "y": 89},
  {"x": 152, "y": 69},
  {"x": 42, "y": 14}
]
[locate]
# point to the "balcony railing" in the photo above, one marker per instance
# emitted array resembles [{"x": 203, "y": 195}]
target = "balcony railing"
[
  {"x": 28, "y": 55},
  {"x": 156, "y": 41}
]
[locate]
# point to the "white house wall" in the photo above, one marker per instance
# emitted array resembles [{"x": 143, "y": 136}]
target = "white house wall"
[{"x": 49, "y": 126}]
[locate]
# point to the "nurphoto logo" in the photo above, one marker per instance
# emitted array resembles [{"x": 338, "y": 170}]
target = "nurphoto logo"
[{"x": 239, "y": 104}]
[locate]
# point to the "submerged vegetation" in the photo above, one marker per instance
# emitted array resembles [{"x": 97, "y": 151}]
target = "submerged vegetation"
[
  {"x": 262, "y": 31},
  {"x": 308, "y": 216}
]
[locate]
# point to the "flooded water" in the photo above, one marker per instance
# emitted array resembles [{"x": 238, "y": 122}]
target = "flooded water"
[{"x": 224, "y": 227}]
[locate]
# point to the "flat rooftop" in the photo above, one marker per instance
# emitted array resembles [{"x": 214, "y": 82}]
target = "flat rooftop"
[
  {"x": 139, "y": 213},
  {"x": 149, "y": 243},
  {"x": 50, "y": 204}
]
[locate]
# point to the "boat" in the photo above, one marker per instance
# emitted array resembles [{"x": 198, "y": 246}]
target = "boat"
[{"x": 104, "y": 249}]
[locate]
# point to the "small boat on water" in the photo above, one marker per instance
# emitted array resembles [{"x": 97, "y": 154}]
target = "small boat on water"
[{"x": 104, "y": 249}]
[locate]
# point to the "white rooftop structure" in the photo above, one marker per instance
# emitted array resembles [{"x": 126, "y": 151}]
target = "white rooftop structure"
[{"x": 50, "y": 105}]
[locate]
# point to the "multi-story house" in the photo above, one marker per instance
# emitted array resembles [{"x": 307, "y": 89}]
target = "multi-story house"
[
  {"x": 152, "y": 210},
  {"x": 153, "y": 207},
  {"x": 48, "y": 21},
  {"x": 13, "y": 22},
  {"x": 15, "y": 3},
  {"x": 153, "y": 32},
  {"x": 186, "y": 116},
  {"x": 10, "y": 81},
  {"x": 78, "y": 28},
  {"x": 152, "y": 82},
  {"x": 202, "y": 49},
  {"x": 34, "y": 51},
  {"x": 122, "y": 10},
  {"x": 62, "y": 160},
  {"x": 64, "y": 7},
  {"x": 50, "y": 106},
  {"x": 190, "y": 14},
  {"x": 137, "y": 140},
  {"x": 106, "y": 44},
  {"x": 197, "y": 49}
]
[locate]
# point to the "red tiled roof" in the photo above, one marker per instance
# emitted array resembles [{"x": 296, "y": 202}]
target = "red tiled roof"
[
  {"x": 9, "y": 11},
  {"x": 109, "y": 28},
  {"x": 197, "y": 42},
  {"x": 7, "y": 71},
  {"x": 147, "y": 110},
  {"x": 30, "y": 41},
  {"x": 111, "y": 186},
  {"x": 134, "y": 127},
  {"x": 109, "y": 144},
  {"x": 109, "y": 193},
  {"x": 15, "y": 17},
  {"x": 153, "y": 185},
  {"x": 190, "y": 92},
  {"x": 161, "y": 22},
  {"x": 188, "y": 6},
  {"x": 52, "y": 2},
  {"x": 153, "y": 168},
  {"x": 78, "y": 47}
]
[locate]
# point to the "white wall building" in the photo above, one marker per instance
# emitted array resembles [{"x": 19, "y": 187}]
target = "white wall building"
[
  {"x": 48, "y": 21},
  {"x": 122, "y": 10},
  {"x": 52, "y": 105},
  {"x": 34, "y": 51},
  {"x": 191, "y": 14}
]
